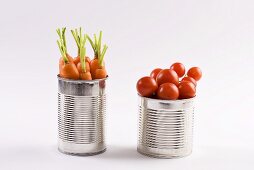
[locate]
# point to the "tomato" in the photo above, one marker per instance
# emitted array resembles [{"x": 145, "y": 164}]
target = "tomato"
[
  {"x": 178, "y": 68},
  {"x": 190, "y": 79},
  {"x": 155, "y": 72},
  {"x": 186, "y": 90},
  {"x": 168, "y": 91},
  {"x": 146, "y": 86},
  {"x": 195, "y": 73},
  {"x": 167, "y": 76}
]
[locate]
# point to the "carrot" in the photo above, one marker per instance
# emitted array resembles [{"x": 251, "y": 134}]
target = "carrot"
[
  {"x": 98, "y": 61},
  {"x": 79, "y": 67},
  {"x": 76, "y": 60},
  {"x": 77, "y": 40},
  {"x": 88, "y": 59},
  {"x": 76, "y": 36},
  {"x": 94, "y": 65},
  {"x": 61, "y": 35},
  {"x": 82, "y": 66},
  {"x": 100, "y": 73},
  {"x": 67, "y": 68},
  {"x": 85, "y": 76},
  {"x": 61, "y": 61},
  {"x": 69, "y": 71},
  {"x": 85, "y": 73}
]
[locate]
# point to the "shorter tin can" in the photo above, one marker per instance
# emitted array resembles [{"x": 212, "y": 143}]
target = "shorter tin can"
[
  {"x": 81, "y": 114},
  {"x": 165, "y": 127}
]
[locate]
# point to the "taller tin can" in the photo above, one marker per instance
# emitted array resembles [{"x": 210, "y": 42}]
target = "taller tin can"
[
  {"x": 165, "y": 127},
  {"x": 81, "y": 116}
]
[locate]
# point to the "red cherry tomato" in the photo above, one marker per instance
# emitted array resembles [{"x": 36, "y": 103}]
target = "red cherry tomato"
[
  {"x": 146, "y": 86},
  {"x": 186, "y": 90},
  {"x": 190, "y": 79},
  {"x": 195, "y": 73},
  {"x": 167, "y": 76},
  {"x": 178, "y": 68},
  {"x": 155, "y": 72},
  {"x": 168, "y": 91}
]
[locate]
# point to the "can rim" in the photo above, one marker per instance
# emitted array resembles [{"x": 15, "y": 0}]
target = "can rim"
[
  {"x": 165, "y": 101},
  {"x": 81, "y": 81}
]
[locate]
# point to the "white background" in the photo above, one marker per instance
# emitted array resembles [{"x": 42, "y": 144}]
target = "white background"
[{"x": 214, "y": 35}]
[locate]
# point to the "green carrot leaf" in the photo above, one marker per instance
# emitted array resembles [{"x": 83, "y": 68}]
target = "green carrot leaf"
[
  {"x": 96, "y": 45},
  {"x": 76, "y": 39},
  {"x": 91, "y": 43},
  {"x": 62, "y": 51},
  {"x": 105, "y": 47},
  {"x": 82, "y": 59},
  {"x": 59, "y": 33},
  {"x": 62, "y": 43},
  {"x": 63, "y": 37}
]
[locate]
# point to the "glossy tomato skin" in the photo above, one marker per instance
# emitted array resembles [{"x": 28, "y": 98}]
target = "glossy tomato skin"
[
  {"x": 146, "y": 86},
  {"x": 195, "y": 72},
  {"x": 155, "y": 72},
  {"x": 168, "y": 91},
  {"x": 178, "y": 68},
  {"x": 190, "y": 79},
  {"x": 186, "y": 90},
  {"x": 167, "y": 76}
]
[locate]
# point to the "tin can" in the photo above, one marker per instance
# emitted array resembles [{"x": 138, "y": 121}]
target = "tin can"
[
  {"x": 81, "y": 116},
  {"x": 165, "y": 127}
]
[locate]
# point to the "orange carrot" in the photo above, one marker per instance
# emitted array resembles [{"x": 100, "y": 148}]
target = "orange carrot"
[
  {"x": 61, "y": 61},
  {"x": 98, "y": 61},
  {"x": 94, "y": 65},
  {"x": 61, "y": 34},
  {"x": 76, "y": 60},
  {"x": 69, "y": 71},
  {"x": 67, "y": 68},
  {"x": 79, "y": 67},
  {"x": 88, "y": 59},
  {"x": 85, "y": 76},
  {"x": 100, "y": 73},
  {"x": 76, "y": 37},
  {"x": 82, "y": 66}
]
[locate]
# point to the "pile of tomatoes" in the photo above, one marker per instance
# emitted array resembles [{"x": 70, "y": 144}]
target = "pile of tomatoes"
[{"x": 170, "y": 84}]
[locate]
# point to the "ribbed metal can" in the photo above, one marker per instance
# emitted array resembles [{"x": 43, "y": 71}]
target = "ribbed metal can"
[
  {"x": 165, "y": 127},
  {"x": 81, "y": 116}
]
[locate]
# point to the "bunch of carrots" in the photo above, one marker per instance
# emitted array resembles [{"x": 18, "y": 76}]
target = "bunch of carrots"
[{"x": 81, "y": 67}]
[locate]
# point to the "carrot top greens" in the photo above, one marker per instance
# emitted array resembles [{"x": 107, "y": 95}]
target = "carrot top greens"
[
  {"x": 96, "y": 45},
  {"x": 62, "y": 43},
  {"x": 80, "y": 40}
]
